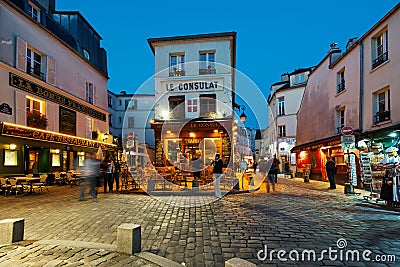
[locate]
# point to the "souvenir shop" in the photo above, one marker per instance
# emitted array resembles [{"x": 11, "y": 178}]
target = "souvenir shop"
[{"x": 380, "y": 164}]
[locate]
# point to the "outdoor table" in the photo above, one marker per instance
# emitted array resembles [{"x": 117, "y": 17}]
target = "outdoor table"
[{"x": 29, "y": 180}]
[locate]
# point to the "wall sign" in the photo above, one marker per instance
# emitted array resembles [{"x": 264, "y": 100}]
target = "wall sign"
[
  {"x": 33, "y": 88},
  {"x": 5, "y": 108}
]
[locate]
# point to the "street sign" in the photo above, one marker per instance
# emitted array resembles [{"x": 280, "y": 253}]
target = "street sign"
[
  {"x": 348, "y": 142},
  {"x": 347, "y": 130},
  {"x": 130, "y": 136}
]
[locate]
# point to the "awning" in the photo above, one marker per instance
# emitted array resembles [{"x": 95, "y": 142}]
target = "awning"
[{"x": 330, "y": 141}]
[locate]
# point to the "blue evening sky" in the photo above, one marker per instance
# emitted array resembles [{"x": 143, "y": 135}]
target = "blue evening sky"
[{"x": 273, "y": 37}]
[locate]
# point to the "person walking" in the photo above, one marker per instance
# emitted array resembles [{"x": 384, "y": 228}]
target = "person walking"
[
  {"x": 330, "y": 167},
  {"x": 263, "y": 168},
  {"x": 272, "y": 173},
  {"x": 89, "y": 175},
  {"x": 117, "y": 170},
  {"x": 107, "y": 166},
  {"x": 275, "y": 169},
  {"x": 217, "y": 171}
]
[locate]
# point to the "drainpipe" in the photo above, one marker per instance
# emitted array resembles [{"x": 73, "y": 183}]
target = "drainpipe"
[{"x": 361, "y": 106}]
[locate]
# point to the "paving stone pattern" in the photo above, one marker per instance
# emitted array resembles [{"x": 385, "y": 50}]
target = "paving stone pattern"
[{"x": 299, "y": 216}]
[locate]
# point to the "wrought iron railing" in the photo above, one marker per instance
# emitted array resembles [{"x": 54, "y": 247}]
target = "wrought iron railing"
[
  {"x": 382, "y": 116},
  {"x": 379, "y": 60}
]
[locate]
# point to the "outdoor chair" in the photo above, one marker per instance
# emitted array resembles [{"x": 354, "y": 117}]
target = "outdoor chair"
[
  {"x": 4, "y": 185},
  {"x": 42, "y": 183},
  {"x": 72, "y": 180},
  {"x": 16, "y": 187}
]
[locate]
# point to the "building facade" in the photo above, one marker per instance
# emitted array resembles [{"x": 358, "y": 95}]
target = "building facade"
[
  {"x": 284, "y": 102},
  {"x": 355, "y": 89},
  {"x": 54, "y": 88},
  {"x": 194, "y": 97}
]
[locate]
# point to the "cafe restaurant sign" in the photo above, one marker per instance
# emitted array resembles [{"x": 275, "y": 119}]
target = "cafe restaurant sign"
[
  {"x": 30, "y": 133},
  {"x": 193, "y": 86},
  {"x": 33, "y": 88}
]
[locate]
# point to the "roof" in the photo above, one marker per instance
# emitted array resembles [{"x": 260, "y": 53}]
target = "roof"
[{"x": 152, "y": 41}]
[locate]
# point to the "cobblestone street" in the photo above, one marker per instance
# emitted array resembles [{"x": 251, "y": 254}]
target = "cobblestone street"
[{"x": 300, "y": 216}]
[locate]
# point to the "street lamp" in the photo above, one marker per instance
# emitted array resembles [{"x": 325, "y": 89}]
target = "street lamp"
[
  {"x": 243, "y": 116},
  {"x": 105, "y": 137}
]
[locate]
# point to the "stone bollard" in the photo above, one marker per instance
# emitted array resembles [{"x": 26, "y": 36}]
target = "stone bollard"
[
  {"x": 129, "y": 238},
  {"x": 237, "y": 262},
  {"x": 11, "y": 230}
]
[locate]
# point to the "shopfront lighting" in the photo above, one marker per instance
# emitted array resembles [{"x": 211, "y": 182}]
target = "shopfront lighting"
[
  {"x": 13, "y": 146},
  {"x": 168, "y": 132},
  {"x": 105, "y": 137},
  {"x": 393, "y": 135}
]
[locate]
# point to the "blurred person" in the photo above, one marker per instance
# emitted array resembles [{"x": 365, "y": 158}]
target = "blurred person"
[
  {"x": 275, "y": 169},
  {"x": 330, "y": 167},
  {"x": 117, "y": 171},
  {"x": 107, "y": 167},
  {"x": 90, "y": 172},
  {"x": 217, "y": 170}
]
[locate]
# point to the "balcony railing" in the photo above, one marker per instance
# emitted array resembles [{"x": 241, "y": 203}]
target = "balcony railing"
[
  {"x": 175, "y": 72},
  {"x": 341, "y": 87},
  {"x": 379, "y": 60},
  {"x": 35, "y": 73},
  {"x": 382, "y": 116},
  {"x": 209, "y": 70}
]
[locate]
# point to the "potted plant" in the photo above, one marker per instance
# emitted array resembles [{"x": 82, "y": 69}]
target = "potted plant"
[{"x": 37, "y": 120}]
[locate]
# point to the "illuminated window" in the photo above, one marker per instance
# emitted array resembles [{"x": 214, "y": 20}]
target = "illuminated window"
[{"x": 380, "y": 49}]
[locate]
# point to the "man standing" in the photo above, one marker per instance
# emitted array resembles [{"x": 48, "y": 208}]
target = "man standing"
[
  {"x": 90, "y": 174},
  {"x": 217, "y": 170},
  {"x": 330, "y": 167}
]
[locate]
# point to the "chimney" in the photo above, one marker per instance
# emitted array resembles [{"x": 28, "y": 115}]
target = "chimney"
[
  {"x": 123, "y": 92},
  {"x": 285, "y": 77},
  {"x": 334, "y": 53}
]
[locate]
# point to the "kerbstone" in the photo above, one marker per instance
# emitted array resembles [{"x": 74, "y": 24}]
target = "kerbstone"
[
  {"x": 11, "y": 230},
  {"x": 237, "y": 262}
]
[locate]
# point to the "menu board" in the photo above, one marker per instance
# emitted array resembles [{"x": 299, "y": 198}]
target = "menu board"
[
  {"x": 352, "y": 169},
  {"x": 226, "y": 150},
  {"x": 67, "y": 121},
  {"x": 365, "y": 162},
  {"x": 159, "y": 153}
]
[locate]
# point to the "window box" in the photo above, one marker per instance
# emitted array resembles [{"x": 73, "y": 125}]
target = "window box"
[{"x": 37, "y": 120}]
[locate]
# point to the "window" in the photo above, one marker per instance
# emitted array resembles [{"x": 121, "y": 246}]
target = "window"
[
  {"x": 119, "y": 119},
  {"x": 33, "y": 105},
  {"x": 340, "y": 84},
  {"x": 382, "y": 106},
  {"x": 281, "y": 131},
  {"x": 34, "y": 64},
  {"x": 86, "y": 54},
  {"x": 120, "y": 102},
  {"x": 131, "y": 122},
  {"x": 176, "y": 107},
  {"x": 281, "y": 106},
  {"x": 176, "y": 65},
  {"x": 89, "y": 92},
  {"x": 339, "y": 120},
  {"x": 379, "y": 49},
  {"x": 34, "y": 12},
  {"x": 299, "y": 78},
  {"x": 126, "y": 103},
  {"x": 208, "y": 105},
  {"x": 35, "y": 113},
  {"x": 192, "y": 105},
  {"x": 110, "y": 120},
  {"x": 110, "y": 101},
  {"x": 207, "y": 62},
  {"x": 89, "y": 129},
  {"x": 131, "y": 104}
]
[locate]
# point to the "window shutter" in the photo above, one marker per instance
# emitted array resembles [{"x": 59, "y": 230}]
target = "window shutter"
[
  {"x": 94, "y": 95},
  {"x": 51, "y": 70},
  {"x": 21, "y": 54}
]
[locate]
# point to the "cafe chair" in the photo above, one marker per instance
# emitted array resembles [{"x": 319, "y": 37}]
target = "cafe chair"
[
  {"x": 58, "y": 179},
  {"x": 41, "y": 184},
  {"x": 4, "y": 185},
  {"x": 72, "y": 180},
  {"x": 16, "y": 187}
]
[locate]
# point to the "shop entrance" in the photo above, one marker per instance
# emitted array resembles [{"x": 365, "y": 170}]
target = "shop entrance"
[{"x": 38, "y": 160}]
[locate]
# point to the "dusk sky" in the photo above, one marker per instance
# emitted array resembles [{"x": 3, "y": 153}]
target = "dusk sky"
[{"x": 273, "y": 37}]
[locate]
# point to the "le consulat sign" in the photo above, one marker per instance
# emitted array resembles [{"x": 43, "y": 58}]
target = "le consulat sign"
[{"x": 33, "y": 88}]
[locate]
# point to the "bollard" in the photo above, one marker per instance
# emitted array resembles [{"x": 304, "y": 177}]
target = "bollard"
[
  {"x": 11, "y": 230},
  {"x": 237, "y": 262},
  {"x": 129, "y": 238}
]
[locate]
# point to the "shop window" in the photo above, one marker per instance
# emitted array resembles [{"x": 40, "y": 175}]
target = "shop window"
[
  {"x": 381, "y": 106},
  {"x": 207, "y": 62},
  {"x": 208, "y": 105},
  {"x": 380, "y": 49},
  {"x": 55, "y": 157},
  {"x": 340, "y": 83},
  {"x": 176, "y": 107},
  {"x": 10, "y": 157},
  {"x": 173, "y": 148},
  {"x": 177, "y": 64}
]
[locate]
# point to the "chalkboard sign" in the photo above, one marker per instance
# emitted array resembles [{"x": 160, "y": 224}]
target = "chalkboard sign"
[
  {"x": 365, "y": 162},
  {"x": 226, "y": 150},
  {"x": 159, "y": 154},
  {"x": 67, "y": 121}
]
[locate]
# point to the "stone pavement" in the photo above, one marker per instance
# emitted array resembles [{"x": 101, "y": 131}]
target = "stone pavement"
[{"x": 299, "y": 216}]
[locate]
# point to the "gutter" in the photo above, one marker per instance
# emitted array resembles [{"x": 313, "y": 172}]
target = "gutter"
[{"x": 361, "y": 106}]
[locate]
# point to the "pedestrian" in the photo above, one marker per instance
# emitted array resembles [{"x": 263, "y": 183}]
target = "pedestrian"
[
  {"x": 217, "y": 171},
  {"x": 330, "y": 167},
  {"x": 117, "y": 171},
  {"x": 89, "y": 174},
  {"x": 255, "y": 164},
  {"x": 271, "y": 177},
  {"x": 107, "y": 166},
  {"x": 263, "y": 167},
  {"x": 275, "y": 169}
]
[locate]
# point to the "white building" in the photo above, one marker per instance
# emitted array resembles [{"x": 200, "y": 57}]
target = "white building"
[
  {"x": 284, "y": 102},
  {"x": 194, "y": 91},
  {"x": 54, "y": 78}
]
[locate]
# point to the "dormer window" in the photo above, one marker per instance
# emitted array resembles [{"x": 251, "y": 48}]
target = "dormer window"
[
  {"x": 34, "y": 12},
  {"x": 299, "y": 78}
]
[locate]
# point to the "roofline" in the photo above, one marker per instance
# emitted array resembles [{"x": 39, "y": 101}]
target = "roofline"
[{"x": 151, "y": 41}]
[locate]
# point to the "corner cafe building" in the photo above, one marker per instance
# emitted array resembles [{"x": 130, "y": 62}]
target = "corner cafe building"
[{"x": 29, "y": 150}]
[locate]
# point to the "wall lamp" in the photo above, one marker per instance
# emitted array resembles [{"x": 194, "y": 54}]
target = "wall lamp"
[
  {"x": 105, "y": 137},
  {"x": 13, "y": 146},
  {"x": 243, "y": 116}
]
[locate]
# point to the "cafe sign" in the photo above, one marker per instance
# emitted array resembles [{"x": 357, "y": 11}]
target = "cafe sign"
[
  {"x": 33, "y": 88},
  {"x": 35, "y": 134},
  {"x": 193, "y": 86}
]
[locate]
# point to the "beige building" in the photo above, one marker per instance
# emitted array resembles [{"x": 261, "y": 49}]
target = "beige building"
[{"x": 53, "y": 75}]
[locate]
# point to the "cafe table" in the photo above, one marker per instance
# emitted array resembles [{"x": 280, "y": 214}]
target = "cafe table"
[{"x": 29, "y": 180}]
